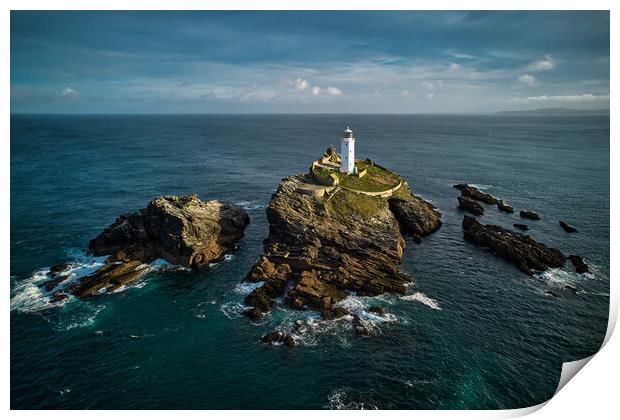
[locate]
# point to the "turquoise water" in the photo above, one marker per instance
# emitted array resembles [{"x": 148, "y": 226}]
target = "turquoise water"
[{"x": 472, "y": 331}]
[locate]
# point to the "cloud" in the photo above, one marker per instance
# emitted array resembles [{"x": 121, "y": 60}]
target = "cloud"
[
  {"x": 527, "y": 79},
  {"x": 544, "y": 64},
  {"x": 69, "y": 93},
  {"x": 585, "y": 97},
  {"x": 428, "y": 85},
  {"x": 454, "y": 66},
  {"x": 429, "y": 95},
  {"x": 316, "y": 90},
  {"x": 334, "y": 91},
  {"x": 301, "y": 84}
]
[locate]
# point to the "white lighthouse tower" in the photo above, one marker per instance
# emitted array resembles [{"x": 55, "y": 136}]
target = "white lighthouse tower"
[{"x": 347, "y": 152}]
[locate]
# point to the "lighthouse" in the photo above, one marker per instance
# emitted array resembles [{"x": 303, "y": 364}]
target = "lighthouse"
[{"x": 347, "y": 152}]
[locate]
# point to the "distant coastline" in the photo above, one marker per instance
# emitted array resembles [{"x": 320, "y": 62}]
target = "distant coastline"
[{"x": 556, "y": 111}]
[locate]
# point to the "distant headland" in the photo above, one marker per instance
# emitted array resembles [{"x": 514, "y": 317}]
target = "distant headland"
[{"x": 555, "y": 112}]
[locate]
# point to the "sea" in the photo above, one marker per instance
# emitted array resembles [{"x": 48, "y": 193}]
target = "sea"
[{"x": 472, "y": 331}]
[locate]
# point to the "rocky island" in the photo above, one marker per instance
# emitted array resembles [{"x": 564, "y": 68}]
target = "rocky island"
[
  {"x": 183, "y": 230},
  {"x": 333, "y": 232}
]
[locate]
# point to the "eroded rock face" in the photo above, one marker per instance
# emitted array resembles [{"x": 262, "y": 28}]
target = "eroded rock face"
[
  {"x": 183, "y": 230},
  {"x": 527, "y": 254},
  {"x": 318, "y": 250},
  {"x": 416, "y": 217},
  {"x": 475, "y": 194}
]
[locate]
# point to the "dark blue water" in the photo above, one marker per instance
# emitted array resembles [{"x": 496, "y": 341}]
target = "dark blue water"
[{"x": 472, "y": 332}]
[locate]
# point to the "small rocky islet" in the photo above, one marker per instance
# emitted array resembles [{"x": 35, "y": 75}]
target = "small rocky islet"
[{"x": 183, "y": 230}]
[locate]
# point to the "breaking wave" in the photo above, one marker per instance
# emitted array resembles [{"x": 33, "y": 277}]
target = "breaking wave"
[
  {"x": 422, "y": 298},
  {"x": 250, "y": 205},
  {"x": 340, "y": 399}
]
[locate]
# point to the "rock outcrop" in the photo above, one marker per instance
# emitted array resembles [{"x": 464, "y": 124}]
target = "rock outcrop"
[
  {"x": 183, "y": 230},
  {"x": 416, "y": 217},
  {"x": 568, "y": 228},
  {"x": 527, "y": 254},
  {"x": 504, "y": 207},
  {"x": 469, "y": 205},
  {"x": 475, "y": 194},
  {"x": 521, "y": 226},
  {"x": 579, "y": 264},
  {"x": 319, "y": 249},
  {"x": 526, "y": 214}
]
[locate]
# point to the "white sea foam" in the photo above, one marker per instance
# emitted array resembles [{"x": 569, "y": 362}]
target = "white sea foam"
[
  {"x": 557, "y": 277},
  {"x": 339, "y": 399},
  {"x": 245, "y": 288},
  {"x": 250, "y": 205},
  {"x": 422, "y": 298},
  {"x": 232, "y": 310}
]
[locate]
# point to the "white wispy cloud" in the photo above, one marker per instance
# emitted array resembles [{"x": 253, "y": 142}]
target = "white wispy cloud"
[
  {"x": 585, "y": 97},
  {"x": 69, "y": 93},
  {"x": 301, "y": 84},
  {"x": 316, "y": 90},
  {"x": 333, "y": 91},
  {"x": 527, "y": 79},
  {"x": 544, "y": 64},
  {"x": 429, "y": 95}
]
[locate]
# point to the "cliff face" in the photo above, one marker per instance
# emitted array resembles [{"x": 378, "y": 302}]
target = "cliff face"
[{"x": 320, "y": 249}]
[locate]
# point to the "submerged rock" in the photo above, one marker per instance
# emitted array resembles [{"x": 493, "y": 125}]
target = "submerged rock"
[
  {"x": 568, "y": 228},
  {"x": 108, "y": 278},
  {"x": 277, "y": 337},
  {"x": 416, "y": 217},
  {"x": 475, "y": 194},
  {"x": 579, "y": 264},
  {"x": 521, "y": 226},
  {"x": 320, "y": 249},
  {"x": 526, "y": 214},
  {"x": 504, "y": 207},
  {"x": 470, "y": 206},
  {"x": 364, "y": 328},
  {"x": 524, "y": 252}
]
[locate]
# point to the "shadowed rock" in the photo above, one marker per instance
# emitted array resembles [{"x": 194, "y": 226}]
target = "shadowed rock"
[
  {"x": 568, "y": 228},
  {"x": 524, "y": 252},
  {"x": 504, "y": 207},
  {"x": 521, "y": 226},
  {"x": 470, "y": 206},
  {"x": 526, "y": 214},
  {"x": 475, "y": 194},
  {"x": 579, "y": 264},
  {"x": 415, "y": 216},
  {"x": 277, "y": 337}
]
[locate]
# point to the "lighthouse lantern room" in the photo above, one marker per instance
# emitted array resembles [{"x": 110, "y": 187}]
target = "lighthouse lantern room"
[{"x": 347, "y": 152}]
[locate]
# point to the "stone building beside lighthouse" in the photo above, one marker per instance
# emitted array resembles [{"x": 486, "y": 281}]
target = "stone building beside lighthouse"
[{"x": 347, "y": 152}]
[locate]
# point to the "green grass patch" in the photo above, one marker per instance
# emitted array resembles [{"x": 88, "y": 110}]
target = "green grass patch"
[{"x": 345, "y": 203}]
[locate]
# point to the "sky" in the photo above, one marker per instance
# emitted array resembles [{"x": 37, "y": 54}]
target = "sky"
[{"x": 315, "y": 62}]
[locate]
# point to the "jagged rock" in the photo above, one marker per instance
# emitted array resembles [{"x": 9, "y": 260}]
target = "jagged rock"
[
  {"x": 110, "y": 277},
  {"x": 277, "y": 337},
  {"x": 333, "y": 313},
  {"x": 470, "y": 206},
  {"x": 379, "y": 310},
  {"x": 416, "y": 217},
  {"x": 475, "y": 194},
  {"x": 364, "y": 328},
  {"x": 253, "y": 313},
  {"x": 526, "y": 214},
  {"x": 58, "y": 297},
  {"x": 521, "y": 226},
  {"x": 349, "y": 242},
  {"x": 504, "y": 207},
  {"x": 523, "y": 251},
  {"x": 58, "y": 268},
  {"x": 580, "y": 265},
  {"x": 568, "y": 228},
  {"x": 50, "y": 285},
  {"x": 183, "y": 230}
]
